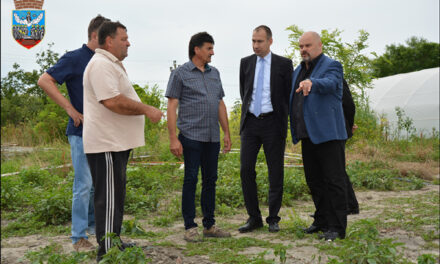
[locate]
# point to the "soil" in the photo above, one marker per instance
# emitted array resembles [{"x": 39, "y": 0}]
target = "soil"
[{"x": 301, "y": 251}]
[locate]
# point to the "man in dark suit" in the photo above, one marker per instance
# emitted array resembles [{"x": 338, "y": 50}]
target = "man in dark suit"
[
  {"x": 317, "y": 119},
  {"x": 265, "y": 81},
  {"x": 349, "y": 109}
]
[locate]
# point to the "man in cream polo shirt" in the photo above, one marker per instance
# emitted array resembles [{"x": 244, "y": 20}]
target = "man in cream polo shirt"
[{"x": 113, "y": 125}]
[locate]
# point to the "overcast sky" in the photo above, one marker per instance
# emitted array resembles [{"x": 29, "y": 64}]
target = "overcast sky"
[{"x": 159, "y": 31}]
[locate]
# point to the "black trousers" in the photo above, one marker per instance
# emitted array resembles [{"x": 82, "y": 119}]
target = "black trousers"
[
  {"x": 324, "y": 168},
  {"x": 352, "y": 202},
  {"x": 264, "y": 132},
  {"x": 108, "y": 171}
]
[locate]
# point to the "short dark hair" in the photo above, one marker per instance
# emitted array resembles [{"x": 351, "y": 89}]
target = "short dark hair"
[
  {"x": 265, "y": 28},
  {"x": 95, "y": 24},
  {"x": 108, "y": 28},
  {"x": 197, "y": 41}
]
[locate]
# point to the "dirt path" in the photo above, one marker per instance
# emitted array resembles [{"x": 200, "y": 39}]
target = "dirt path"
[{"x": 300, "y": 251}]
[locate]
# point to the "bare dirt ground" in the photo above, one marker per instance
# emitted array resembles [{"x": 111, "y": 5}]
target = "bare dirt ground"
[{"x": 300, "y": 250}]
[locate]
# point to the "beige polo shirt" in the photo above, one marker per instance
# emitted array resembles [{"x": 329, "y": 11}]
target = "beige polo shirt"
[{"x": 103, "y": 129}]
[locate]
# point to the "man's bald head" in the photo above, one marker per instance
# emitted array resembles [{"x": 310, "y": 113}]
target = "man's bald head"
[
  {"x": 312, "y": 35},
  {"x": 310, "y": 46}
]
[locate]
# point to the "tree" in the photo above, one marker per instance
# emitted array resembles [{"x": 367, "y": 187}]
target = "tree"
[
  {"x": 21, "y": 98},
  {"x": 416, "y": 55},
  {"x": 16, "y": 103},
  {"x": 355, "y": 63}
]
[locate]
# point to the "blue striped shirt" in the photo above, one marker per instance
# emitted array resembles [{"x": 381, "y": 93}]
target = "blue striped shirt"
[{"x": 199, "y": 94}]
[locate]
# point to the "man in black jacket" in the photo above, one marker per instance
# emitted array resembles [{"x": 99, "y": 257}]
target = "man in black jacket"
[
  {"x": 349, "y": 109},
  {"x": 265, "y": 82}
]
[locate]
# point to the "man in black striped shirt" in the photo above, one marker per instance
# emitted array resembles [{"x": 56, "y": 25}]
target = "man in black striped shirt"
[{"x": 195, "y": 89}]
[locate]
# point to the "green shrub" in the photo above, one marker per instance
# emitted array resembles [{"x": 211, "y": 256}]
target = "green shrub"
[
  {"x": 368, "y": 127},
  {"x": 52, "y": 254},
  {"x": 55, "y": 207},
  {"x": 372, "y": 175},
  {"x": 295, "y": 186},
  {"x": 34, "y": 176},
  {"x": 11, "y": 197},
  {"x": 132, "y": 255},
  {"x": 294, "y": 225},
  {"x": 146, "y": 187},
  {"x": 363, "y": 245},
  {"x": 137, "y": 201},
  {"x": 228, "y": 190},
  {"x": 427, "y": 259}
]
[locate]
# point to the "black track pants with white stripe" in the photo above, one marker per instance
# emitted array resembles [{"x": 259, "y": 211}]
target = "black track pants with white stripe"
[{"x": 108, "y": 171}]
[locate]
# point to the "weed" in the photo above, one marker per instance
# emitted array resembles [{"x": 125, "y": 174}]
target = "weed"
[
  {"x": 55, "y": 207},
  {"x": 294, "y": 226},
  {"x": 10, "y": 194},
  {"x": 424, "y": 212},
  {"x": 427, "y": 259},
  {"x": 295, "y": 186},
  {"x": 281, "y": 252},
  {"x": 34, "y": 176},
  {"x": 364, "y": 246},
  {"x": 259, "y": 259},
  {"x": 52, "y": 254},
  {"x": 146, "y": 187},
  {"x": 380, "y": 175},
  {"x": 132, "y": 228},
  {"x": 115, "y": 255}
]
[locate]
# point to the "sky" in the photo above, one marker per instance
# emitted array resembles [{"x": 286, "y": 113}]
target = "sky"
[{"x": 159, "y": 31}]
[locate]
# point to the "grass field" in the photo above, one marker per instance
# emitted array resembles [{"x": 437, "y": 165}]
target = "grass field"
[{"x": 396, "y": 185}]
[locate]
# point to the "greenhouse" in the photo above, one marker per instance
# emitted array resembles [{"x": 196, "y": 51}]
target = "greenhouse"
[{"x": 416, "y": 93}]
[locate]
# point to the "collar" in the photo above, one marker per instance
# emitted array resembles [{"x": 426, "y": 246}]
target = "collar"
[
  {"x": 108, "y": 55},
  {"x": 266, "y": 58},
  {"x": 85, "y": 47},
  {"x": 313, "y": 62},
  {"x": 192, "y": 66}
]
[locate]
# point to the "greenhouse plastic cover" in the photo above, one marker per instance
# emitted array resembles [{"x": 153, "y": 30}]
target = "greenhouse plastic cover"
[{"x": 417, "y": 93}]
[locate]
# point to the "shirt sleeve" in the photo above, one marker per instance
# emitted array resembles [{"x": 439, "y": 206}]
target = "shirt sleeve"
[
  {"x": 104, "y": 81},
  {"x": 175, "y": 85},
  {"x": 63, "y": 69},
  {"x": 222, "y": 92}
]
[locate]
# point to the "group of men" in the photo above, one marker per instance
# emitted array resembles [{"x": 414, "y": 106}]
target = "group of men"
[{"x": 107, "y": 121}]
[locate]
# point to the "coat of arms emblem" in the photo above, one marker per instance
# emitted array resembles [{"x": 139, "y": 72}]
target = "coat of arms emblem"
[{"x": 28, "y": 25}]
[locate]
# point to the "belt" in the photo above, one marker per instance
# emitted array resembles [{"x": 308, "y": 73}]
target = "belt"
[{"x": 261, "y": 116}]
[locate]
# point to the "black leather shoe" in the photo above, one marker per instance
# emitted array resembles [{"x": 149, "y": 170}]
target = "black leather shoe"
[
  {"x": 127, "y": 245},
  {"x": 353, "y": 211},
  {"x": 250, "y": 225},
  {"x": 331, "y": 236},
  {"x": 274, "y": 227},
  {"x": 314, "y": 229}
]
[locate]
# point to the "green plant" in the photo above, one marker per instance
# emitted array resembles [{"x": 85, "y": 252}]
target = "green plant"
[
  {"x": 34, "y": 176},
  {"x": 371, "y": 175},
  {"x": 427, "y": 259},
  {"x": 404, "y": 122},
  {"x": 295, "y": 186},
  {"x": 55, "y": 207},
  {"x": 10, "y": 193},
  {"x": 52, "y": 254},
  {"x": 365, "y": 246},
  {"x": 294, "y": 226},
  {"x": 281, "y": 252},
  {"x": 115, "y": 255},
  {"x": 228, "y": 250}
]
